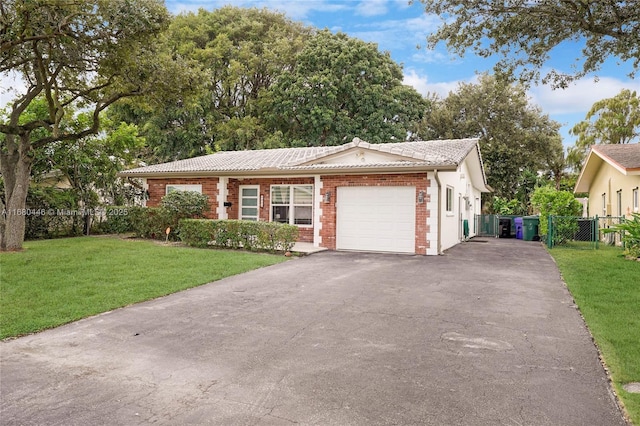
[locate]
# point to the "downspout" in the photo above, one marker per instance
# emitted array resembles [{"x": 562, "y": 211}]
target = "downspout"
[{"x": 439, "y": 243}]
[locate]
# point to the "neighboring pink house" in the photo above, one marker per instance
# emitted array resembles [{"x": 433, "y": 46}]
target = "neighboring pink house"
[{"x": 406, "y": 197}]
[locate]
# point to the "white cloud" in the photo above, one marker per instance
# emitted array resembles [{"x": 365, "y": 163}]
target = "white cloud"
[
  {"x": 579, "y": 96},
  {"x": 423, "y": 86},
  {"x": 11, "y": 85},
  {"x": 395, "y": 34},
  {"x": 400, "y": 4},
  {"x": 371, "y": 7}
]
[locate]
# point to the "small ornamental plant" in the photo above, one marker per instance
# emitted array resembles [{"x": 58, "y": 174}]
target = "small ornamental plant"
[{"x": 629, "y": 234}]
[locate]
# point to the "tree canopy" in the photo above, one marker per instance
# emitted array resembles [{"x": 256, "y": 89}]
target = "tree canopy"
[
  {"x": 609, "y": 121},
  {"x": 340, "y": 88},
  {"x": 271, "y": 82},
  {"x": 74, "y": 54},
  {"x": 523, "y": 32},
  {"x": 515, "y": 137},
  {"x": 241, "y": 53}
]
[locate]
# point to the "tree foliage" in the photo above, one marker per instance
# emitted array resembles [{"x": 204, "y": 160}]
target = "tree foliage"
[
  {"x": 74, "y": 54},
  {"x": 609, "y": 121},
  {"x": 523, "y": 32},
  {"x": 340, "y": 88},
  {"x": 550, "y": 202},
  {"x": 241, "y": 53},
  {"x": 516, "y": 138},
  {"x": 271, "y": 82}
]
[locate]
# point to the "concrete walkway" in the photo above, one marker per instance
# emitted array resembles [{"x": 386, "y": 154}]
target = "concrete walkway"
[
  {"x": 486, "y": 334},
  {"x": 306, "y": 248}
]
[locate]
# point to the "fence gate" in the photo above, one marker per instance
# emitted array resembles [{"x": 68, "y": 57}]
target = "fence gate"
[{"x": 486, "y": 225}]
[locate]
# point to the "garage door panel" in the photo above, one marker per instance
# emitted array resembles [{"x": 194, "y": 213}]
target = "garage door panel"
[{"x": 376, "y": 219}]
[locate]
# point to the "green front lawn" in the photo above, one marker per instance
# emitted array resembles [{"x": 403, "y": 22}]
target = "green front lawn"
[
  {"x": 54, "y": 282},
  {"x": 606, "y": 288}
]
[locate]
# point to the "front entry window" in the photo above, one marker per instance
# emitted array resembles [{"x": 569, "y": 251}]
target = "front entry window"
[
  {"x": 292, "y": 204},
  {"x": 249, "y": 202}
]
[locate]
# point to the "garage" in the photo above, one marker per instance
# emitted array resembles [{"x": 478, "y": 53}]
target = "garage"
[{"x": 376, "y": 218}]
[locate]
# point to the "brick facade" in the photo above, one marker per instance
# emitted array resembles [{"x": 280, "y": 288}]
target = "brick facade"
[
  {"x": 233, "y": 195},
  {"x": 327, "y": 233},
  {"x": 157, "y": 189},
  {"x": 331, "y": 183}
]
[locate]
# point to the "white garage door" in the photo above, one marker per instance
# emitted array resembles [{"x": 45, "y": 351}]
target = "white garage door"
[{"x": 376, "y": 218}]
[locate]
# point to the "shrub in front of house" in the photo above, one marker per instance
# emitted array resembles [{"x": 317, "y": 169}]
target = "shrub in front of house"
[
  {"x": 152, "y": 222},
  {"x": 234, "y": 234},
  {"x": 149, "y": 222},
  {"x": 114, "y": 220},
  {"x": 144, "y": 222},
  {"x": 185, "y": 204}
]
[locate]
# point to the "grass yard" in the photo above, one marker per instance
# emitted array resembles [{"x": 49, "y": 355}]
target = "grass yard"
[
  {"x": 606, "y": 288},
  {"x": 54, "y": 282}
]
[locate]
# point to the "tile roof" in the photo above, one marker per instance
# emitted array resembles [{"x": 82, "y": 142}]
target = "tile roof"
[
  {"x": 627, "y": 156},
  {"x": 420, "y": 153}
]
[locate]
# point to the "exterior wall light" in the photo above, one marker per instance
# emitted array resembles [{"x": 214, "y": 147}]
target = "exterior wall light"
[
  {"x": 327, "y": 197},
  {"x": 420, "y": 197}
]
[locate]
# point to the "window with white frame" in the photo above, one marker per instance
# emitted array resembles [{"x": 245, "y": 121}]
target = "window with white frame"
[
  {"x": 173, "y": 187},
  {"x": 619, "y": 202},
  {"x": 634, "y": 199},
  {"x": 292, "y": 204},
  {"x": 249, "y": 197},
  {"x": 449, "y": 200}
]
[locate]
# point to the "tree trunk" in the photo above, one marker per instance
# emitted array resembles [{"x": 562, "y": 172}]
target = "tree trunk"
[{"x": 15, "y": 165}]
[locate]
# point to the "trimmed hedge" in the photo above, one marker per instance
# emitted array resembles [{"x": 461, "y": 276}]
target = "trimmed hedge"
[{"x": 235, "y": 234}]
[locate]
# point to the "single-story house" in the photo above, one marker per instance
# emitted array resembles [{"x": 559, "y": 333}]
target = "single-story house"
[
  {"x": 611, "y": 176},
  {"x": 406, "y": 197}
]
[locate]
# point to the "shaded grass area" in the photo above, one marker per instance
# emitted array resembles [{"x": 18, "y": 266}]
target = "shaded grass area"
[
  {"x": 54, "y": 282},
  {"x": 606, "y": 288}
]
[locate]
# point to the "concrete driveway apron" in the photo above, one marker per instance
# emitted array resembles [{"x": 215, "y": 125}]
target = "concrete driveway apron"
[{"x": 486, "y": 334}]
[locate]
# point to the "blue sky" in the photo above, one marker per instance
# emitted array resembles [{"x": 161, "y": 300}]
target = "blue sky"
[{"x": 399, "y": 28}]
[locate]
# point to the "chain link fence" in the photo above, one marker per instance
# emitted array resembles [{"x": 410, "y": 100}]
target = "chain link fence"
[{"x": 581, "y": 232}]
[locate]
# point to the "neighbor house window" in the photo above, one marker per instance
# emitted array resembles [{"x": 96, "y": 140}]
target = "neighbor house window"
[
  {"x": 249, "y": 195},
  {"x": 194, "y": 188},
  {"x": 292, "y": 204},
  {"x": 619, "y": 202},
  {"x": 449, "y": 201},
  {"x": 634, "y": 199}
]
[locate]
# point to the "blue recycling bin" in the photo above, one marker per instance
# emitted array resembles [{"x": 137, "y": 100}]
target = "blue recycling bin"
[{"x": 519, "y": 229}]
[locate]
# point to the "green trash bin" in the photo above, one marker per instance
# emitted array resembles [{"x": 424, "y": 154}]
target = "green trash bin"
[{"x": 530, "y": 228}]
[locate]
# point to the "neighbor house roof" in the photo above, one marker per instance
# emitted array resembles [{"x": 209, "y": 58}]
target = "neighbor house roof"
[
  {"x": 623, "y": 157},
  {"x": 402, "y": 155}
]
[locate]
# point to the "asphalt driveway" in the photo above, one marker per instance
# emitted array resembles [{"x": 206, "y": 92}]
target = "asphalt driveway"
[{"x": 484, "y": 335}]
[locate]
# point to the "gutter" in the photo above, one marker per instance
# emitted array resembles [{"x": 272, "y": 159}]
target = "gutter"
[
  {"x": 439, "y": 233},
  {"x": 281, "y": 172}
]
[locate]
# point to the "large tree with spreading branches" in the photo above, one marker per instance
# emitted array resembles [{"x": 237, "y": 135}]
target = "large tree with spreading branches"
[
  {"x": 74, "y": 54},
  {"x": 523, "y": 33}
]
